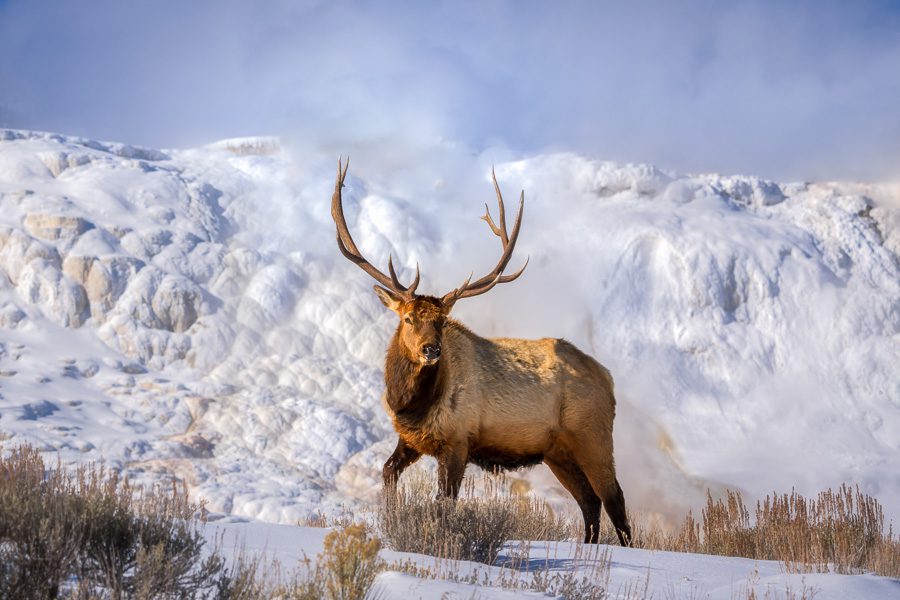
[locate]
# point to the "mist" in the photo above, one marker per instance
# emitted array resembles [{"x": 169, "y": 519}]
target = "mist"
[{"x": 798, "y": 91}]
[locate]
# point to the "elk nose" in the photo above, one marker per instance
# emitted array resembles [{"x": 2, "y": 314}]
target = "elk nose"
[{"x": 431, "y": 351}]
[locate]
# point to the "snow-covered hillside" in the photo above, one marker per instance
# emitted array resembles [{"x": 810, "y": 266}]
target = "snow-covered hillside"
[
  {"x": 187, "y": 313},
  {"x": 623, "y": 572}
]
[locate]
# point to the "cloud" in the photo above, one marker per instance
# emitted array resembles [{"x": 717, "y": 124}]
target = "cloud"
[{"x": 786, "y": 90}]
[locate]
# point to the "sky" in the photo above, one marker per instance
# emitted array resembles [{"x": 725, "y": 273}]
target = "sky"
[{"x": 785, "y": 90}]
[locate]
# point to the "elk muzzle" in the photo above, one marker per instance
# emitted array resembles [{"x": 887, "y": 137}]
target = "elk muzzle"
[{"x": 431, "y": 353}]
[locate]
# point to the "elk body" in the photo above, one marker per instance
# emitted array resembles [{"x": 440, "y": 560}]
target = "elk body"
[{"x": 498, "y": 403}]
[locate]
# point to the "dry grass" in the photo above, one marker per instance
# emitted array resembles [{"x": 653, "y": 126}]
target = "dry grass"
[
  {"x": 88, "y": 534},
  {"x": 321, "y": 520},
  {"x": 840, "y": 530},
  {"x": 749, "y": 591},
  {"x": 344, "y": 570},
  {"x": 476, "y": 528},
  {"x": 349, "y": 563},
  {"x": 585, "y": 578},
  {"x": 473, "y": 528}
]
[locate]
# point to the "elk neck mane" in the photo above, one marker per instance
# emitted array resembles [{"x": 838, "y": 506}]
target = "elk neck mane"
[{"x": 412, "y": 389}]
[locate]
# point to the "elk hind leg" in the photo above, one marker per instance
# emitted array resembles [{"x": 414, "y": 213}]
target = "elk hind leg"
[
  {"x": 614, "y": 500},
  {"x": 602, "y": 474},
  {"x": 576, "y": 483}
]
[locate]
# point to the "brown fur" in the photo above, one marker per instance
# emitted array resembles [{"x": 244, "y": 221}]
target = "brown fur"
[{"x": 500, "y": 404}]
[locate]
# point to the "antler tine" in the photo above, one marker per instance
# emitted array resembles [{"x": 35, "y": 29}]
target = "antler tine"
[
  {"x": 502, "y": 209},
  {"x": 508, "y": 246},
  {"x": 412, "y": 287},
  {"x": 454, "y": 295},
  {"x": 348, "y": 247},
  {"x": 500, "y": 278},
  {"x": 496, "y": 276},
  {"x": 394, "y": 281}
]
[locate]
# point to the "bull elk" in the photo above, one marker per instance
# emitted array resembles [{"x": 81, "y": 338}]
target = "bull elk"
[{"x": 498, "y": 403}]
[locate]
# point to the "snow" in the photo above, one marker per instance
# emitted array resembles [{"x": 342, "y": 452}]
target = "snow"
[
  {"x": 186, "y": 313},
  {"x": 661, "y": 574}
]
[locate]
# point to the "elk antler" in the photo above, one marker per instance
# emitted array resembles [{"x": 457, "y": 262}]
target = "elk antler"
[
  {"x": 473, "y": 288},
  {"x": 348, "y": 246}
]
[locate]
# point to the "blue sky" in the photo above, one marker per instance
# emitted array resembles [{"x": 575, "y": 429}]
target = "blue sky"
[{"x": 788, "y": 90}]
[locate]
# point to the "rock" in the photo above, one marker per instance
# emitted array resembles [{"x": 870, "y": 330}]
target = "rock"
[
  {"x": 55, "y": 227},
  {"x": 154, "y": 348},
  {"x": 10, "y": 316},
  {"x": 175, "y": 303},
  {"x": 59, "y": 297},
  {"x": 81, "y": 368},
  {"x": 18, "y": 249},
  {"x": 57, "y": 162},
  {"x": 194, "y": 445},
  {"x": 104, "y": 279},
  {"x": 133, "y": 369},
  {"x": 752, "y": 191},
  {"x": 158, "y": 300},
  {"x": 147, "y": 244}
]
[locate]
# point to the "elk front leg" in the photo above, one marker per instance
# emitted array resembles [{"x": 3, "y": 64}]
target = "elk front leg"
[
  {"x": 451, "y": 467},
  {"x": 402, "y": 457}
]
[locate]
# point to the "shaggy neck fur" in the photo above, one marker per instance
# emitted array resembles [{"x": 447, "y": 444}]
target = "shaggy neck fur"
[{"x": 412, "y": 388}]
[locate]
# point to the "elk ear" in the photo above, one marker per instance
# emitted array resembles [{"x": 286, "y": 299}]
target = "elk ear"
[{"x": 388, "y": 298}]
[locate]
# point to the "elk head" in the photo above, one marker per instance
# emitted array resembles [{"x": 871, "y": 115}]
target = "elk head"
[{"x": 422, "y": 317}]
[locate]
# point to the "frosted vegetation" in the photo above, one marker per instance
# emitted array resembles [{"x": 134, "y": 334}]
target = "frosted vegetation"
[{"x": 187, "y": 314}]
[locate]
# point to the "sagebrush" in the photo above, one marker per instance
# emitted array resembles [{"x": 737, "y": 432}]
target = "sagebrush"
[
  {"x": 474, "y": 527},
  {"x": 89, "y": 534},
  {"x": 840, "y": 530}
]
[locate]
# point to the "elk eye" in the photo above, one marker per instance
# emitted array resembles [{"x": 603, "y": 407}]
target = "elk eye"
[{"x": 408, "y": 320}]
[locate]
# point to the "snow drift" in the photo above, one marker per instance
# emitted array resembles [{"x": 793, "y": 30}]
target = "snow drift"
[{"x": 187, "y": 314}]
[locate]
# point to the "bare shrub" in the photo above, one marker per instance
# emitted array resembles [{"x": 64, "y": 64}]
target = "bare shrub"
[
  {"x": 344, "y": 570},
  {"x": 322, "y": 520},
  {"x": 97, "y": 535},
  {"x": 471, "y": 528},
  {"x": 534, "y": 519},
  {"x": 40, "y": 535},
  {"x": 255, "y": 579},
  {"x": 840, "y": 530},
  {"x": 349, "y": 563},
  {"x": 245, "y": 580}
]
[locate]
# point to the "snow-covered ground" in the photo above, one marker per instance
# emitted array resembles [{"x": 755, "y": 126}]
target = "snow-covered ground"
[
  {"x": 623, "y": 572},
  {"x": 186, "y": 313}
]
